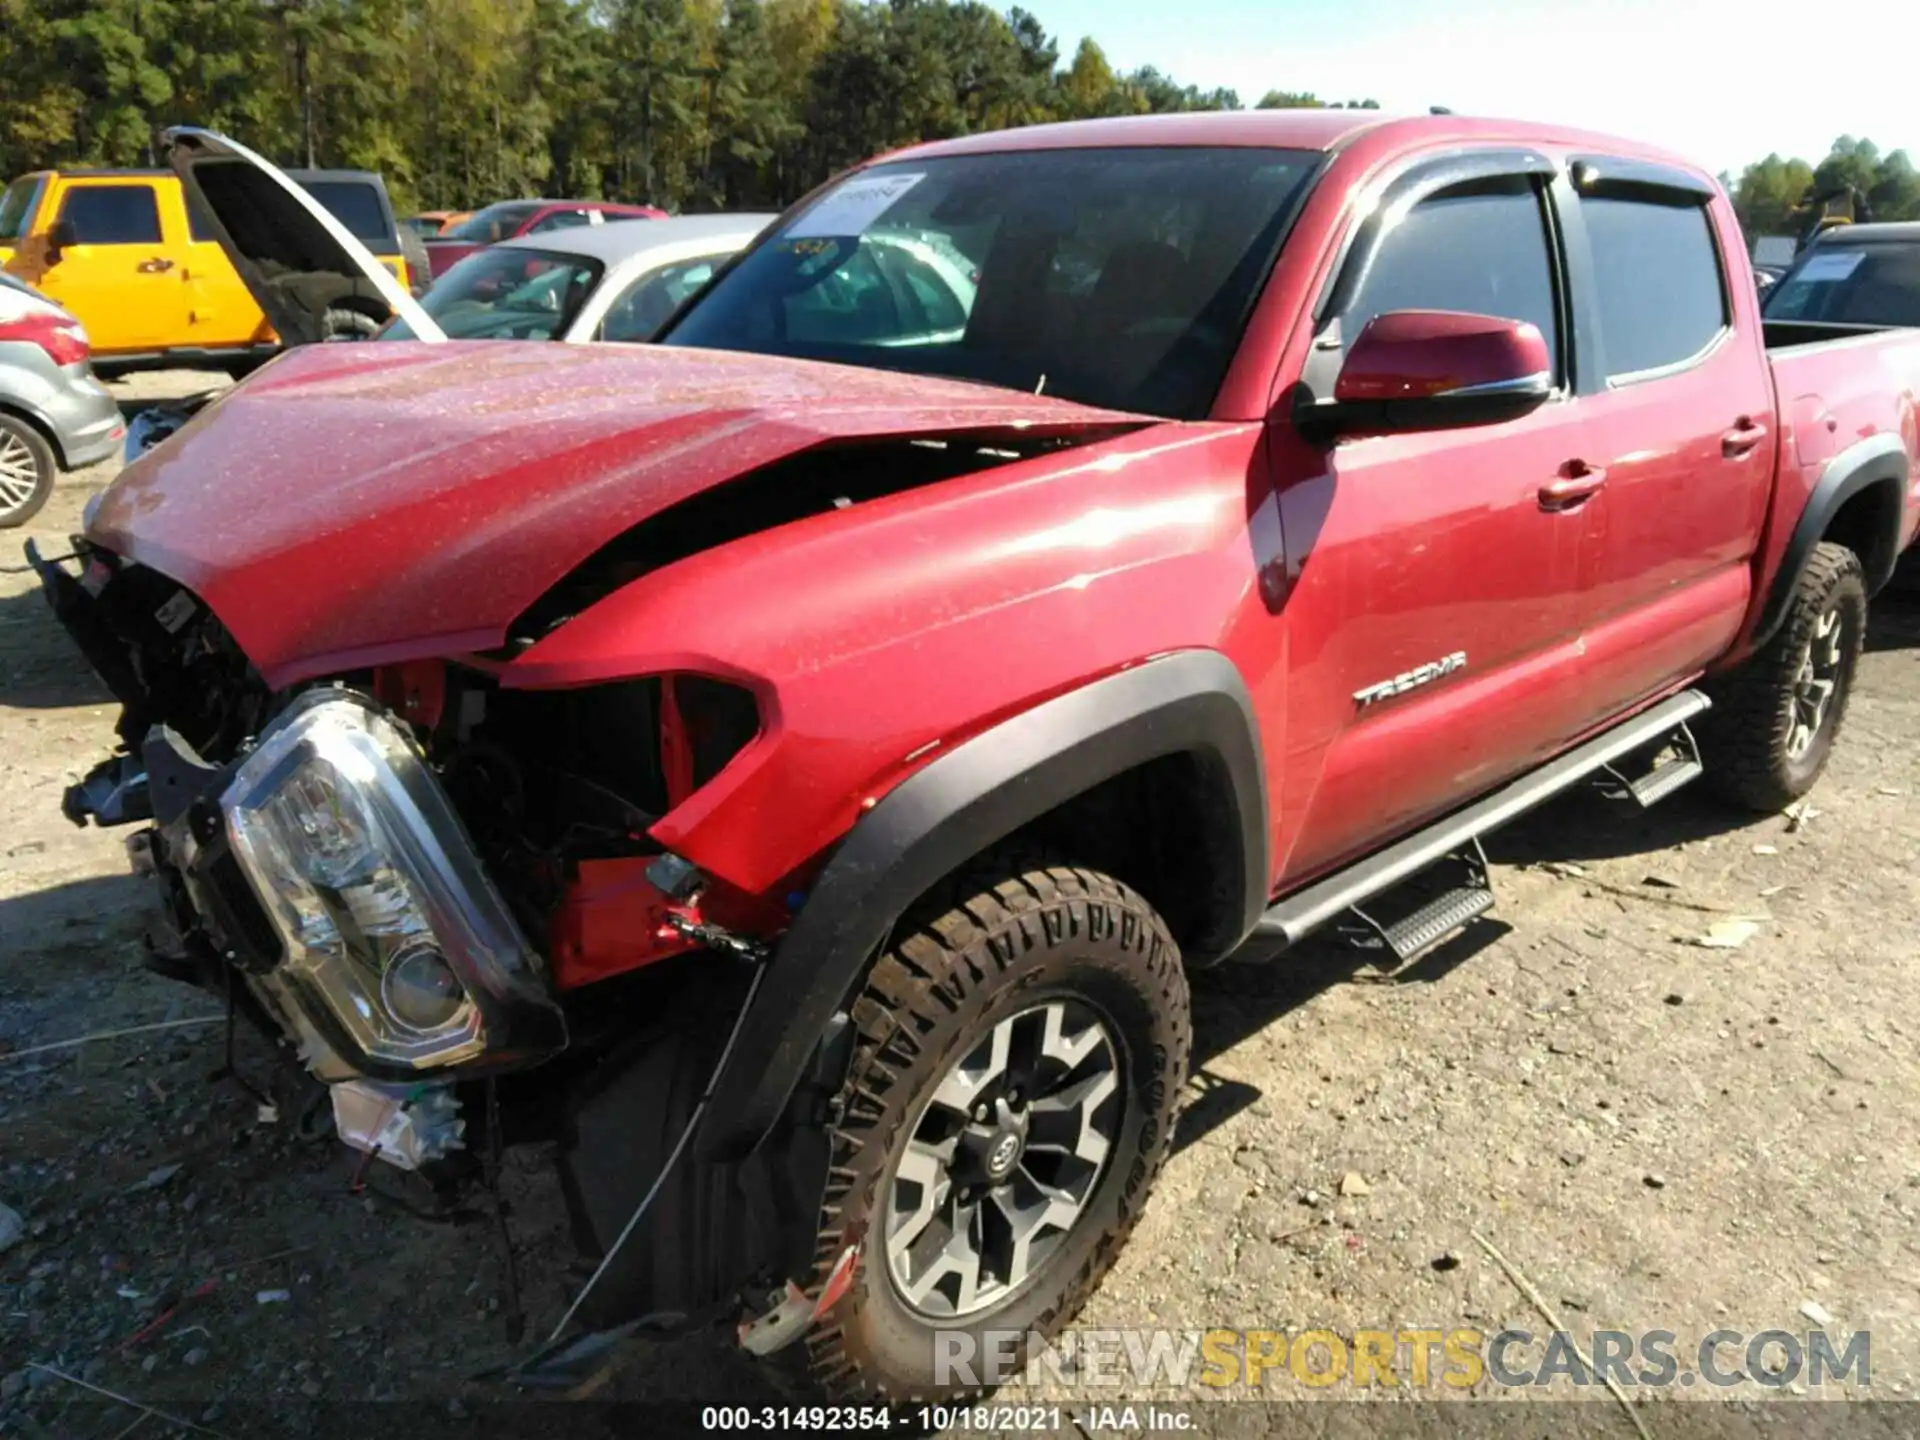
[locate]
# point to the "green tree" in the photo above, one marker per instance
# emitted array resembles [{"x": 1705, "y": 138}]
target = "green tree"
[
  {"x": 657, "y": 100},
  {"x": 1089, "y": 87},
  {"x": 748, "y": 122},
  {"x": 1768, "y": 193},
  {"x": 102, "y": 46}
]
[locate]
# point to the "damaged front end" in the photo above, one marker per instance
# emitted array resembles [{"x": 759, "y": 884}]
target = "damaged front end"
[{"x": 439, "y": 896}]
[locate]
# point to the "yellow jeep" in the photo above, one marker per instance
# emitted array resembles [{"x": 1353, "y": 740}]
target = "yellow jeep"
[{"x": 153, "y": 267}]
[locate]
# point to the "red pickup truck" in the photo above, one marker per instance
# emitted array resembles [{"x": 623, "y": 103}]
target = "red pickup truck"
[{"x": 791, "y": 768}]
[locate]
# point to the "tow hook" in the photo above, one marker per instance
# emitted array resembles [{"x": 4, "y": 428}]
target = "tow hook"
[{"x": 787, "y": 1321}]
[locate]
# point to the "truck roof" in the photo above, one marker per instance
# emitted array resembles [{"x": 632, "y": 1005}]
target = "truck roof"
[
  {"x": 1323, "y": 130},
  {"x": 1881, "y": 233}
]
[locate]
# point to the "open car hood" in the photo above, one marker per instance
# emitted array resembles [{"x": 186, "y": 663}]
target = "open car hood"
[
  {"x": 360, "y": 504},
  {"x": 276, "y": 234}
]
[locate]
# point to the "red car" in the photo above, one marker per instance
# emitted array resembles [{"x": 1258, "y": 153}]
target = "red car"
[
  {"x": 790, "y": 768},
  {"x": 509, "y": 218}
]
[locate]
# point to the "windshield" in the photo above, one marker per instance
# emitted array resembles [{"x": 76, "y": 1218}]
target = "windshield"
[
  {"x": 1117, "y": 277},
  {"x": 1876, "y": 284},
  {"x": 496, "y": 222},
  {"x": 356, "y": 205},
  {"x": 16, "y": 207},
  {"x": 507, "y": 294}
]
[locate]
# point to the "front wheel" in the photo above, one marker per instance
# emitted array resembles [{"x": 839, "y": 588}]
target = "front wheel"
[
  {"x": 1012, "y": 1093},
  {"x": 1774, "y": 720}
]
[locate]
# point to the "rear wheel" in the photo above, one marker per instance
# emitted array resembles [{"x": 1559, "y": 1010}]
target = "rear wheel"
[
  {"x": 1773, "y": 724},
  {"x": 1010, "y": 1101},
  {"x": 27, "y": 469}
]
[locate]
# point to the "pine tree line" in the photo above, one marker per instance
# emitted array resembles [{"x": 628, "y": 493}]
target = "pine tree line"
[{"x": 688, "y": 104}]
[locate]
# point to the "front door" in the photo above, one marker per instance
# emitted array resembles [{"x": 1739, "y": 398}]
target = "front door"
[
  {"x": 118, "y": 276},
  {"x": 221, "y": 312},
  {"x": 1432, "y": 624}
]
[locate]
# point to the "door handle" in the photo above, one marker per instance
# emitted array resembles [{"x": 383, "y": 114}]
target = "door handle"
[
  {"x": 154, "y": 267},
  {"x": 1742, "y": 438},
  {"x": 1577, "y": 481}
]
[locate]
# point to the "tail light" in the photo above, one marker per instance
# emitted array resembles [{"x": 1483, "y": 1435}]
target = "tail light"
[{"x": 60, "y": 336}]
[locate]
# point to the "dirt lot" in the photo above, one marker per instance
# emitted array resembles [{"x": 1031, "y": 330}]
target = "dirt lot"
[{"x": 1659, "y": 1134}]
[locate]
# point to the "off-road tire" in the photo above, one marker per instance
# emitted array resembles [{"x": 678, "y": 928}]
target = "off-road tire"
[
  {"x": 1744, "y": 739},
  {"x": 22, "y": 442},
  {"x": 996, "y": 943}
]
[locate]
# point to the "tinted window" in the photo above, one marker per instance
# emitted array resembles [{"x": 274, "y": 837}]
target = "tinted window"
[
  {"x": 652, "y": 298},
  {"x": 112, "y": 215},
  {"x": 1852, "y": 285},
  {"x": 1481, "y": 251},
  {"x": 356, "y": 205},
  {"x": 1116, "y": 276},
  {"x": 16, "y": 207},
  {"x": 1656, "y": 275}
]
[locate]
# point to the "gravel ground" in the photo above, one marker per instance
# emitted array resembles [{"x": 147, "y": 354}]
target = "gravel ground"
[{"x": 1660, "y": 1135}]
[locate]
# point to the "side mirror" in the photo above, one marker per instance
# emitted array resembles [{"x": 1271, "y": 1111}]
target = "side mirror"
[
  {"x": 1435, "y": 369},
  {"x": 59, "y": 237}
]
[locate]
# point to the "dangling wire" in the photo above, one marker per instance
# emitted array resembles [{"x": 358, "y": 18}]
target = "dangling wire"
[{"x": 693, "y": 1121}]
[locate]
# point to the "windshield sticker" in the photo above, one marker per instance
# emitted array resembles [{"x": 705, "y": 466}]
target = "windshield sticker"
[
  {"x": 1836, "y": 266},
  {"x": 854, "y": 206}
]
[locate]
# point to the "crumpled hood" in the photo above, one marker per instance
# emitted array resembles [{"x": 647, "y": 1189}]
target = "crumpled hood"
[{"x": 357, "y": 504}]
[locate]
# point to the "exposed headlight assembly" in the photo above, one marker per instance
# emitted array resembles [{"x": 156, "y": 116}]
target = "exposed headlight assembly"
[{"x": 392, "y": 930}]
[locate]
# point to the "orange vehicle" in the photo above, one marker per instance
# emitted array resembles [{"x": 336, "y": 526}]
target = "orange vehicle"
[
  {"x": 150, "y": 277},
  {"x": 429, "y": 223}
]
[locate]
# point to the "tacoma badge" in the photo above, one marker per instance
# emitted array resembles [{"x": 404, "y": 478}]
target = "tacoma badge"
[{"x": 1411, "y": 679}]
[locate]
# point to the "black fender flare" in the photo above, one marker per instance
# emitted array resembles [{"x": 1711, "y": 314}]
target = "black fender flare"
[
  {"x": 955, "y": 807},
  {"x": 1877, "y": 461}
]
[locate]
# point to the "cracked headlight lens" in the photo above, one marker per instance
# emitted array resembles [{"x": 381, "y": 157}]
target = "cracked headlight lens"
[{"x": 391, "y": 928}]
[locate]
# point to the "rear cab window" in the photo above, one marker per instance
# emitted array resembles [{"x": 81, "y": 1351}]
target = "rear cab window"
[
  {"x": 1847, "y": 284},
  {"x": 1658, "y": 282},
  {"x": 115, "y": 214}
]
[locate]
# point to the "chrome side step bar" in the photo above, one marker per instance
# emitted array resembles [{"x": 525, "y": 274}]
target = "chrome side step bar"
[{"x": 1304, "y": 911}]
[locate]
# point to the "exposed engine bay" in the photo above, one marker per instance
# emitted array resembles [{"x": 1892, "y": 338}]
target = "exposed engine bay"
[
  {"x": 552, "y": 793},
  {"x": 440, "y": 893}
]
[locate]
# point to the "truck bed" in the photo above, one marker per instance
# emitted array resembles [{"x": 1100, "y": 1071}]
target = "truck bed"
[{"x": 1838, "y": 387}]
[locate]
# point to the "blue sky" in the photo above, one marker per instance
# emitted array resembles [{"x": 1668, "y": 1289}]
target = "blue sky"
[{"x": 1719, "y": 80}]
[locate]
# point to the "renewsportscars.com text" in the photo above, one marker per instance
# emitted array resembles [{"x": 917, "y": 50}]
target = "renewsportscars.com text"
[{"x": 1407, "y": 1358}]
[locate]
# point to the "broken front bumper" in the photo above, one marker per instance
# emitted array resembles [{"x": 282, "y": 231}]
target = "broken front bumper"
[{"x": 327, "y": 868}]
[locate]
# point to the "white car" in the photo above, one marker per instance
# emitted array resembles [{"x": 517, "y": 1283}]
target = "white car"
[{"x": 618, "y": 281}]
